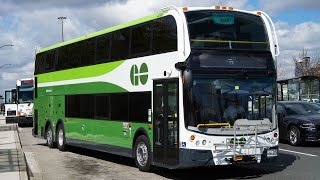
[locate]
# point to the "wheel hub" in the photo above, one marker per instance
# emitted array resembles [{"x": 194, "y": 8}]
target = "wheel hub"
[
  {"x": 142, "y": 154},
  {"x": 60, "y": 137},
  {"x": 293, "y": 136},
  {"x": 49, "y": 136}
]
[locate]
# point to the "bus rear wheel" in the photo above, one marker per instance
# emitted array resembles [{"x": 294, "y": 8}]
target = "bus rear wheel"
[
  {"x": 49, "y": 136},
  {"x": 61, "y": 138},
  {"x": 142, "y": 154}
]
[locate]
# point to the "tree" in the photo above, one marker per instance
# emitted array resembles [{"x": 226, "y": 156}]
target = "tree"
[
  {"x": 281, "y": 71},
  {"x": 306, "y": 65}
]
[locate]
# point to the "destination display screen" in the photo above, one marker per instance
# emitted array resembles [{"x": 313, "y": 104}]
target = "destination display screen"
[
  {"x": 230, "y": 60},
  {"x": 26, "y": 83}
]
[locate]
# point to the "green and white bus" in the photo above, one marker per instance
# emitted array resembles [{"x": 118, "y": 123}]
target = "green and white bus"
[{"x": 159, "y": 89}]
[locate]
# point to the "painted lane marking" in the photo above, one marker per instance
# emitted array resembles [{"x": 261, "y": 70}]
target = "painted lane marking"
[{"x": 296, "y": 152}]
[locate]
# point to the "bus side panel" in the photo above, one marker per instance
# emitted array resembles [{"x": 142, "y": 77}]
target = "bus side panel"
[
  {"x": 73, "y": 128},
  {"x": 39, "y": 106},
  {"x": 115, "y": 133}
]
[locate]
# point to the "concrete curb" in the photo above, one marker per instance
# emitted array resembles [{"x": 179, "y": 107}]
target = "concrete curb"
[{"x": 23, "y": 165}]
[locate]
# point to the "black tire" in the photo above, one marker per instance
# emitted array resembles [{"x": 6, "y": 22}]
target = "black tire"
[
  {"x": 294, "y": 136},
  {"x": 61, "y": 138},
  {"x": 49, "y": 136},
  {"x": 143, "y": 163}
]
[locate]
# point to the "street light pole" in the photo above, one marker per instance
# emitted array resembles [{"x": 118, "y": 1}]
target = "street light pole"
[
  {"x": 2, "y": 47},
  {"x": 5, "y": 65},
  {"x": 62, "y": 18},
  {"x": 6, "y": 45}
]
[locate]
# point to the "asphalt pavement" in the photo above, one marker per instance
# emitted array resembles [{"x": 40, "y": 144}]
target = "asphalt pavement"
[{"x": 78, "y": 163}]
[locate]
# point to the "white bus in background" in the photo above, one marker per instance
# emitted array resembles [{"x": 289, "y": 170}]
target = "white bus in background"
[
  {"x": 25, "y": 101},
  {"x": 10, "y": 106}
]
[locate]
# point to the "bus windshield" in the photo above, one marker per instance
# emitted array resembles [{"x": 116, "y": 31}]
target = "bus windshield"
[
  {"x": 25, "y": 96},
  {"x": 211, "y": 101},
  {"x": 226, "y": 30}
]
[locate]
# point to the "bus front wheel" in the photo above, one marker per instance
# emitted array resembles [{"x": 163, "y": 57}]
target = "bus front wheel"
[
  {"x": 61, "y": 138},
  {"x": 142, "y": 153}
]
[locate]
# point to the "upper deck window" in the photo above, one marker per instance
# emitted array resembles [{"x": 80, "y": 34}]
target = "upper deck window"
[{"x": 226, "y": 30}]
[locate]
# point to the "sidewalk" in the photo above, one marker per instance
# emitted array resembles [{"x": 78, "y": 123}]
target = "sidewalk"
[{"x": 12, "y": 164}]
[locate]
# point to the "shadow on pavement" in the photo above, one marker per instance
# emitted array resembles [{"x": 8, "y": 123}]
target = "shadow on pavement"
[
  {"x": 311, "y": 144},
  {"x": 8, "y": 160},
  {"x": 214, "y": 172},
  {"x": 232, "y": 171},
  {"x": 103, "y": 156}
]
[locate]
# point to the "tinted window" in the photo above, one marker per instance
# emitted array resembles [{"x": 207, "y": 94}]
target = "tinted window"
[
  {"x": 103, "y": 49},
  {"x": 141, "y": 40},
  {"x": 40, "y": 63},
  {"x": 74, "y": 59},
  {"x": 72, "y": 106},
  {"x": 226, "y": 30},
  {"x": 164, "y": 35},
  {"x": 140, "y": 102},
  {"x": 86, "y": 106},
  {"x": 120, "y": 44},
  {"x": 102, "y": 107},
  {"x": 50, "y": 60},
  {"x": 88, "y": 52},
  {"x": 63, "y": 58},
  {"x": 119, "y": 107}
]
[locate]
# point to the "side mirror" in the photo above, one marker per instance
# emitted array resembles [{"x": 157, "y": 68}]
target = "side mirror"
[{"x": 181, "y": 66}]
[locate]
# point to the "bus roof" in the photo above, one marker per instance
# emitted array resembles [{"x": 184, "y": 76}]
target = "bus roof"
[{"x": 104, "y": 31}]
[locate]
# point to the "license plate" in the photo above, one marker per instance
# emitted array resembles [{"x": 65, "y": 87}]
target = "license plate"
[{"x": 272, "y": 152}]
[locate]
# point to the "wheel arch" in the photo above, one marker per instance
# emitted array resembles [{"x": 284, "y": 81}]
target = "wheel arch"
[{"x": 58, "y": 123}]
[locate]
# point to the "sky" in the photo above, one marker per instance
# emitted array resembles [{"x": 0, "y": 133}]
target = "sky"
[{"x": 31, "y": 25}]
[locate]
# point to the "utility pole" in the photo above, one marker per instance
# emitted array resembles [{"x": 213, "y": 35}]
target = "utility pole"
[
  {"x": 62, "y": 18},
  {"x": 5, "y": 65},
  {"x": 6, "y": 45}
]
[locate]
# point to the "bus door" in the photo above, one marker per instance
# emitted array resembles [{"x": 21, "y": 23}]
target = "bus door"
[{"x": 165, "y": 122}]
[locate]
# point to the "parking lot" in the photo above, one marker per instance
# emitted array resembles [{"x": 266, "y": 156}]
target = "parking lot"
[{"x": 77, "y": 163}]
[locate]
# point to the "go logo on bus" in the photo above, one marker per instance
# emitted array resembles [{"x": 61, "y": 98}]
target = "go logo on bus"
[{"x": 137, "y": 75}]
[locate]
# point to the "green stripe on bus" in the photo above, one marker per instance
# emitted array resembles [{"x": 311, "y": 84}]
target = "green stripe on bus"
[
  {"x": 78, "y": 73},
  {"x": 83, "y": 88},
  {"x": 111, "y": 29}
]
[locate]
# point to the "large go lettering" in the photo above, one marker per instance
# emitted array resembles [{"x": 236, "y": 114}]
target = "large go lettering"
[{"x": 139, "y": 75}]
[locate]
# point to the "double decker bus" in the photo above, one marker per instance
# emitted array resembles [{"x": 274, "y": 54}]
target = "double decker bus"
[
  {"x": 181, "y": 88},
  {"x": 25, "y": 101}
]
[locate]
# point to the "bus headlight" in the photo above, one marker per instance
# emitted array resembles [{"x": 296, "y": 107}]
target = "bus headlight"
[{"x": 197, "y": 143}]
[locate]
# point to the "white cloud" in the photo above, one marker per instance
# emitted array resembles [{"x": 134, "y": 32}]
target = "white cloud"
[
  {"x": 279, "y": 5},
  {"x": 293, "y": 38}
]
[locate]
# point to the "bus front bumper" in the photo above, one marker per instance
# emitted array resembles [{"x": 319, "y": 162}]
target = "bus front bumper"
[
  {"x": 196, "y": 158},
  {"x": 10, "y": 120},
  {"x": 28, "y": 120}
]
